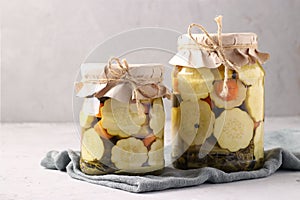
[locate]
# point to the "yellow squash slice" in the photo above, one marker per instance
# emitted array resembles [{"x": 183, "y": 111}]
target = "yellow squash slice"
[
  {"x": 128, "y": 121},
  {"x": 144, "y": 132},
  {"x": 255, "y": 101},
  {"x": 118, "y": 133},
  {"x": 92, "y": 147},
  {"x": 234, "y": 129},
  {"x": 157, "y": 116},
  {"x": 249, "y": 74},
  {"x": 117, "y": 115},
  {"x": 259, "y": 142},
  {"x": 85, "y": 120},
  {"x": 137, "y": 113},
  {"x": 206, "y": 123},
  {"x": 194, "y": 84},
  {"x": 175, "y": 119},
  {"x": 111, "y": 127},
  {"x": 129, "y": 154},
  {"x": 156, "y": 153},
  {"x": 108, "y": 122},
  {"x": 189, "y": 121},
  {"x": 160, "y": 134}
]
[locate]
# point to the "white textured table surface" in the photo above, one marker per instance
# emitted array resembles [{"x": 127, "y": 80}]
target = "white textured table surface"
[{"x": 21, "y": 177}]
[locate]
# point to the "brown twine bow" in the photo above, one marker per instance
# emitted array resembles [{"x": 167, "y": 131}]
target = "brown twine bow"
[
  {"x": 119, "y": 75},
  {"x": 218, "y": 48},
  {"x": 115, "y": 74}
]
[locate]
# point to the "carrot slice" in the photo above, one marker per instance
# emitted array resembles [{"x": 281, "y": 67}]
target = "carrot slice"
[
  {"x": 232, "y": 89},
  {"x": 99, "y": 115},
  {"x": 209, "y": 101},
  {"x": 149, "y": 140},
  {"x": 101, "y": 131},
  {"x": 256, "y": 124}
]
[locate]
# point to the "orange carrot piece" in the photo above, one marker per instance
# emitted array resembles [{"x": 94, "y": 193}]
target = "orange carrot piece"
[
  {"x": 256, "y": 124},
  {"x": 149, "y": 140},
  {"x": 99, "y": 115},
  {"x": 232, "y": 89},
  {"x": 209, "y": 101},
  {"x": 101, "y": 131}
]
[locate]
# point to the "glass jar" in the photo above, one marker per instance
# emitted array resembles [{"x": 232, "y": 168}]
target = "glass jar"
[
  {"x": 121, "y": 135},
  {"x": 208, "y": 128}
]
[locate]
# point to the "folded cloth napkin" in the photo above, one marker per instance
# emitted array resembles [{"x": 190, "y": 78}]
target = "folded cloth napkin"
[{"x": 275, "y": 158}]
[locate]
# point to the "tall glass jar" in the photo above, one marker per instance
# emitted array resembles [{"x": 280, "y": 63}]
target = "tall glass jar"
[
  {"x": 208, "y": 128},
  {"x": 120, "y": 134}
]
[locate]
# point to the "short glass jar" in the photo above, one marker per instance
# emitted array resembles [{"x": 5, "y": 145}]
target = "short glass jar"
[{"x": 121, "y": 135}]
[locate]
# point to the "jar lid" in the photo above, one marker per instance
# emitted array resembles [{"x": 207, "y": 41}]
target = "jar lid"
[
  {"x": 239, "y": 48},
  {"x": 138, "y": 81}
]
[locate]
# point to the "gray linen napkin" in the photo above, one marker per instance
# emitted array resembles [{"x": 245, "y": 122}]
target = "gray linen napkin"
[{"x": 275, "y": 158}]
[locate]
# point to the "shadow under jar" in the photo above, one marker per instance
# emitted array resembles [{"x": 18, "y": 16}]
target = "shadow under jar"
[
  {"x": 208, "y": 128},
  {"x": 124, "y": 135}
]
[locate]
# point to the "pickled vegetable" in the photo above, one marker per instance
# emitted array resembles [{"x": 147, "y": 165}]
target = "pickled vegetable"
[
  {"x": 144, "y": 131},
  {"x": 175, "y": 111},
  {"x": 122, "y": 117},
  {"x": 157, "y": 116},
  {"x": 206, "y": 123},
  {"x": 177, "y": 143},
  {"x": 92, "y": 147},
  {"x": 101, "y": 131},
  {"x": 129, "y": 154},
  {"x": 194, "y": 84},
  {"x": 149, "y": 140},
  {"x": 255, "y": 101},
  {"x": 189, "y": 121},
  {"x": 118, "y": 133},
  {"x": 156, "y": 153},
  {"x": 259, "y": 142},
  {"x": 85, "y": 120},
  {"x": 236, "y": 94},
  {"x": 127, "y": 118},
  {"x": 234, "y": 129},
  {"x": 249, "y": 74}
]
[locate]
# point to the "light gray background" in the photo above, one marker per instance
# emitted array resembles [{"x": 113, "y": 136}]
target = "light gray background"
[{"x": 43, "y": 43}]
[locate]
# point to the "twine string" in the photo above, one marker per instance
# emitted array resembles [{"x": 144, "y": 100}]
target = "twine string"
[
  {"x": 217, "y": 47},
  {"x": 123, "y": 70}
]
